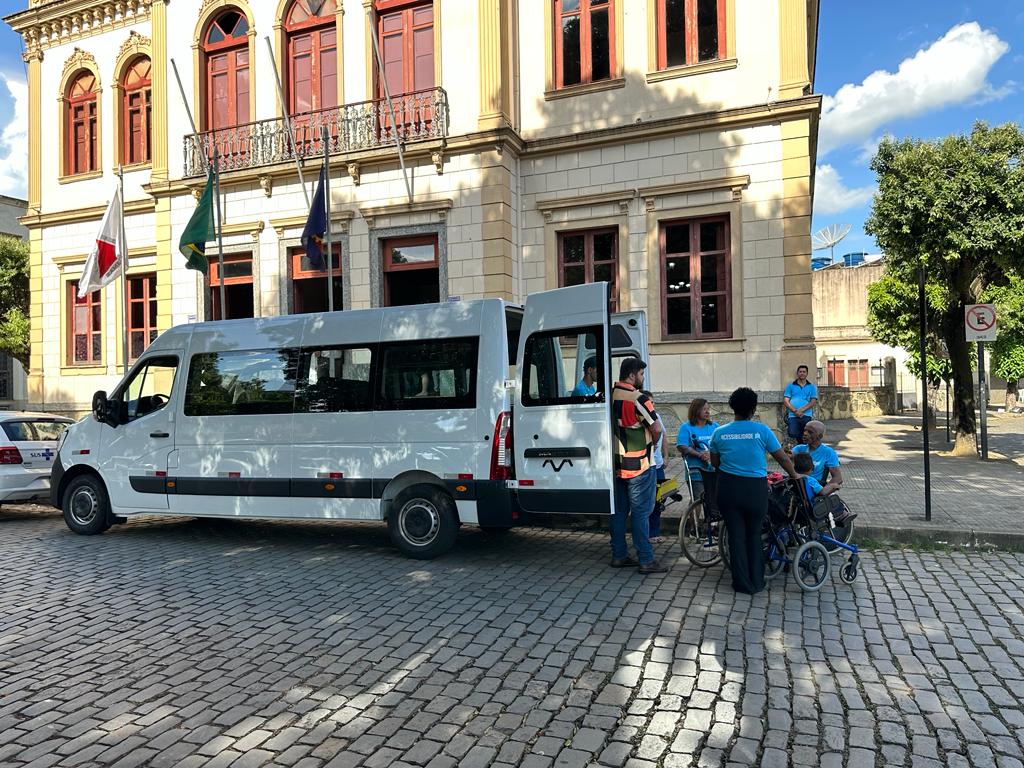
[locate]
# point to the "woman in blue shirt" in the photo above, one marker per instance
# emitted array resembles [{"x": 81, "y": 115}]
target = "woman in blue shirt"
[
  {"x": 738, "y": 453},
  {"x": 693, "y": 443}
]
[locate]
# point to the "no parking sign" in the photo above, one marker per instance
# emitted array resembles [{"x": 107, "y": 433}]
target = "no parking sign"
[{"x": 980, "y": 322}]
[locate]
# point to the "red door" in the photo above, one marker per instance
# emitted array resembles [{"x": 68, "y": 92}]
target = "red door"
[
  {"x": 227, "y": 86},
  {"x": 407, "y": 49}
]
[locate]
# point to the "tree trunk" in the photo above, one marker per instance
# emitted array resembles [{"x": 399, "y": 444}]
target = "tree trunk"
[
  {"x": 963, "y": 383},
  {"x": 1012, "y": 395}
]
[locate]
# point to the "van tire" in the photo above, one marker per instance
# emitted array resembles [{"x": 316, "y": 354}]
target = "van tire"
[
  {"x": 423, "y": 522},
  {"x": 86, "y": 506}
]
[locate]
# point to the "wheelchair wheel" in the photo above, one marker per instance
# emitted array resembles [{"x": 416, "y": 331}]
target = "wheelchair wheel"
[
  {"x": 723, "y": 544},
  {"x": 698, "y": 536},
  {"x": 774, "y": 555},
  {"x": 811, "y": 566},
  {"x": 848, "y": 573}
]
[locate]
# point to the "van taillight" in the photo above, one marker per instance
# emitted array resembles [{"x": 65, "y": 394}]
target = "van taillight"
[
  {"x": 10, "y": 455},
  {"x": 501, "y": 449}
]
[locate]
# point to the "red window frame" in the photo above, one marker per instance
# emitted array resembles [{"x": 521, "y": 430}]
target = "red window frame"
[
  {"x": 233, "y": 53},
  {"x": 321, "y": 33},
  {"x": 584, "y": 12},
  {"x": 388, "y": 248},
  {"x": 147, "y": 299},
  {"x": 299, "y": 274},
  {"x": 410, "y": 23},
  {"x": 691, "y": 34},
  {"x": 589, "y": 259},
  {"x": 92, "y": 307},
  {"x": 82, "y": 130},
  {"x": 214, "y": 279},
  {"x": 696, "y": 293},
  {"x": 137, "y": 110}
]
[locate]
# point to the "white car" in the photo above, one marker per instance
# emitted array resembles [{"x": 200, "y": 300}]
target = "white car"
[{"x": 28, "y": 445}]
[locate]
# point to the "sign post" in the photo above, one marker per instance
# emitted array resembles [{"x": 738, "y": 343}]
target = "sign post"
[{"x": 980, "y": 326}]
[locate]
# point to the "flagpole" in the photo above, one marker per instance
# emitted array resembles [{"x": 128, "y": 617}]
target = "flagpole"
[
  {"x": 287, "y": 119},
  {"x": 387, "y": 98},
  {"x": 123, "y": 243},
  {"x": 327, "y": 226},
  {"x": 219, "y": 226}
]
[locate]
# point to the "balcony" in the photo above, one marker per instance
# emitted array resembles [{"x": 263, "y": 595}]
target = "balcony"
[{"x": 367, "y": 125}]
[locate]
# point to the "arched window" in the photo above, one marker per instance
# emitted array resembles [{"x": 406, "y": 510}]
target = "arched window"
[
  {"x": 226, "y": 47},
  {"x": 312, "y": 64},
  {"x": 83, "y": 152},
  {"x": 138, "y": 94}
]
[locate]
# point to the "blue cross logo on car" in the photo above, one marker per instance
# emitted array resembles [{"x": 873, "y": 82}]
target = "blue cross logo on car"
[{"x": 48, "y": 454}]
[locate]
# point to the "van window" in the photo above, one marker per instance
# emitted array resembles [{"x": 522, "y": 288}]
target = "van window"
[
  {"x": 241, "y": 383},
  {"x": 334, "y": 381},
  {"x": 148, "y": 389},
  {"x": 422, "y": 375},
  {"x": 550, "y": 363}
]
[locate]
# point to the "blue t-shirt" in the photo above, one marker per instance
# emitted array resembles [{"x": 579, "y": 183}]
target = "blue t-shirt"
[
  {"x": 824, "y": 457},
  {"x": 742, "y": 446},
  {"x": 698, "y": 438},
  {"x": 812, "y": 487},
  {"x": 582, "y": 390},
  {"x": 800, "y": 396}
]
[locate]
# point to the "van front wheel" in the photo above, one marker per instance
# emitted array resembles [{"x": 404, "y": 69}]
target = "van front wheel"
[
  {"x": 86, "y": 506},
  {"x": 423, "y": 522}
]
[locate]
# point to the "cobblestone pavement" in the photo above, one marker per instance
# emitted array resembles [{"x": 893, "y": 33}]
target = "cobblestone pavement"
[{"x": 202, "y": 643}]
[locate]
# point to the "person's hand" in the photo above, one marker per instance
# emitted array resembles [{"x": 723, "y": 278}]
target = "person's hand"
[{"x": 705, "y": 456}]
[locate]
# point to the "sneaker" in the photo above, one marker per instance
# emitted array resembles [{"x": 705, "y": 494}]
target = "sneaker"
[
  {"x": 625, "y": 562},
  {"x": 653, "y": 567}
]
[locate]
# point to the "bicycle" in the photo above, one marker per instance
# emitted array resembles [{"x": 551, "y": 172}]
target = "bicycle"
[{"x": 699, "y": 531}]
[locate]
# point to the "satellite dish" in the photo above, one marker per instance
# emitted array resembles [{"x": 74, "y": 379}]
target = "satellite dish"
[{"x": 830, "y": 237}]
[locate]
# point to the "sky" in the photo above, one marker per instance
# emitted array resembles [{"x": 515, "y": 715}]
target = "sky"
[{"x": 907, "y": 68}]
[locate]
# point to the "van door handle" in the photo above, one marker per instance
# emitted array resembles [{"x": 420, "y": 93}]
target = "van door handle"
[{"x": 159, "y": 434}]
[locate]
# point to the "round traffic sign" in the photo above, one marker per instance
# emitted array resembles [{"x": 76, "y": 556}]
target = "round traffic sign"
[{"x": 980, "y": 318}]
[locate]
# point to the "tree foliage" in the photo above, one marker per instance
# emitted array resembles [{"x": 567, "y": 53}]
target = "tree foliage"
[
  {"x": 14, "y": 299},
  {"x": 1008, "y": 350},
  {"x": 956, "y": 206}
]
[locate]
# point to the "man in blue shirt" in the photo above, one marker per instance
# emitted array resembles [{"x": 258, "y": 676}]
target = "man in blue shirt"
[
  {"x": 588, "y": 384},
  {"x": 825, "y": 458},
  {"x": 799, "y": 398}
]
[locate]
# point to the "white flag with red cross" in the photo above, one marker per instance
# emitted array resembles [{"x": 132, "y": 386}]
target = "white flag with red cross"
[{"x": 108, "y": 256}]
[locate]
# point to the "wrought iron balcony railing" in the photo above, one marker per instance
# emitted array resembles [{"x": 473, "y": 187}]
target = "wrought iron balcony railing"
[{"x": 419, "y": 116}]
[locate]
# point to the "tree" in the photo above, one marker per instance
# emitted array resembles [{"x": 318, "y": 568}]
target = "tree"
[
  {"x": 14, "y": 298},
  {"x": 1008, "y": 350},
  {"x": 955, "y": 206}
]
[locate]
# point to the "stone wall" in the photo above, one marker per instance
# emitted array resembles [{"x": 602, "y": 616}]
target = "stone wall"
[
  {"x": 673, "y": 407},
  {"x": 844, "y": 403}
]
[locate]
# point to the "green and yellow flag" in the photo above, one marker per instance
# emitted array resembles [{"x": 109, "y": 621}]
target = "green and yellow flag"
[{"x": 199, "y": 230}]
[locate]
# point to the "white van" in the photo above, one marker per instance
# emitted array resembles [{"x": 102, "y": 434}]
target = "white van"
[{"x": 425, "y": 416}]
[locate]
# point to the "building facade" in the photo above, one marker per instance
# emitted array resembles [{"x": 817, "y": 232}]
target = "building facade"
[{"x": 666, "y": 146}]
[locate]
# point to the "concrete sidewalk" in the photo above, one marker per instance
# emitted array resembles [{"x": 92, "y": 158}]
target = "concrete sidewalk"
[{"x": 973, "y": 502}]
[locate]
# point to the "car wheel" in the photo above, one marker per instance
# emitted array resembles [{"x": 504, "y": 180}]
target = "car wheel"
[
  {"x": 86, "y": 506},
  {"x": 423, "y": 522}
]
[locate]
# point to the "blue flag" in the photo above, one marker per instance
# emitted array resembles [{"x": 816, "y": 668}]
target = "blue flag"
[{"x": 316, "y": 227}]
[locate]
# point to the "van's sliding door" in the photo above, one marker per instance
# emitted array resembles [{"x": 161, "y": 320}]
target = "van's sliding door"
[{"x": 563, "y": 440}]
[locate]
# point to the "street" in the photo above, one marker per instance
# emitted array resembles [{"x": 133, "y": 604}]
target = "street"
[{"x": 215, "y": 643}]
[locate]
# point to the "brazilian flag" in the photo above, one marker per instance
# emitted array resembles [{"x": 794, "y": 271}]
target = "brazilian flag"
[{"x": 199, "y": 230}]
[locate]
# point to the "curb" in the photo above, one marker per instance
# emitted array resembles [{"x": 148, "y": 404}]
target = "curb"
[{"x": 930, "y": 537}]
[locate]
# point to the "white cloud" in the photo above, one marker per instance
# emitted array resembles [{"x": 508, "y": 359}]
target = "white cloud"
[
  {"x": 952, "y": 70},
  {"x": 14, "y": 142},
  {"x": 831, "y": 196}
]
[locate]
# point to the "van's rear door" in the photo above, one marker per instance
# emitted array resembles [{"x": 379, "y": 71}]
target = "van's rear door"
[
  {"x": 627, "y": 338},
  {"x": 563, "y": 441}
]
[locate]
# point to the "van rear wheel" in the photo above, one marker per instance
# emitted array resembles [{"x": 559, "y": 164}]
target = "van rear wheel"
[
  {"x": 86, "y": 506},
  {"x": 423, "y": 522}
]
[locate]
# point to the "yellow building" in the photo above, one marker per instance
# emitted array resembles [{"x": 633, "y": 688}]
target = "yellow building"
[{"x": 665, "y": 145}]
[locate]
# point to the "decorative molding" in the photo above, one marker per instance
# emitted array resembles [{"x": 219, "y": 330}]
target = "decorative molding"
[
  {"x": 134, "y": 45},
  {"x": 95, "y": 213},
  {"x": 353, "y": 172},
  {"x": 441, "y": 207},
  {"x": 437, "y": 158},
  {"x": 267, "y": 185},
  {"x": 340, "y": 222},
  {"x": 49, "y": 24},
  {"x": 252, "y": 228},
  {"x": 734, "y": 183},
  {"x": 622, "y": 198},
  {"x": 79, "y": 59}
]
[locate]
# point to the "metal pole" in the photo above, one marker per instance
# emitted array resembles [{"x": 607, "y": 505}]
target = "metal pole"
[
  {"x": 923, "y": 329},
  {"x": 947, "y": 410},
  {"x": 983, "y": 400},
  {"x": 287, "y": 119},
  {"x": 188, "y": 110},
  {"x": 329, "y": 256},
  {"x": 123, "y": 242},
  {"x": 219, "y": 225},
  {"x": 387, "y": 98}
]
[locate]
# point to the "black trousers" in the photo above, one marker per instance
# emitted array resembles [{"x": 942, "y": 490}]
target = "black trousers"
[
  {"x": 743, "y": 504},
  {"x": 710, "y": 480}
]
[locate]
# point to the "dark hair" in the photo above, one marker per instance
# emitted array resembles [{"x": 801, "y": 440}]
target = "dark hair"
[
  {"x": 590, "y": 362},
  {"x": 630, "y": 366},
  {"x": 804, "y": 367},
  {"x": 803, "y": 463},
  {"x": 696, "y": 406},
  {"x": 743, "y": 402}
]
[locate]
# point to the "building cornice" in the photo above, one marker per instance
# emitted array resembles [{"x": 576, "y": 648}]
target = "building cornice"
[
  {"x": 46, "y": 24},
  {"x": 78, "y": 215}
]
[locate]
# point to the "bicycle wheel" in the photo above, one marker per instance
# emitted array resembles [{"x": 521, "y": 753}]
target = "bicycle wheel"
[
  {"x": 811, "y": 566},
  {"x": 723, "y": 544},
  {"x": 774, "y": 554},
  {"x": 698, "y": 536}
]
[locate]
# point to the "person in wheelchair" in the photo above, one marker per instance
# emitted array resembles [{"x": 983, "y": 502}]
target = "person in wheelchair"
[{"x": 804, "y": 465}]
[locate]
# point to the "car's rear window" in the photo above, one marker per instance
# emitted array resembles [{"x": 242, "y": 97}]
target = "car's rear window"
[{"x": 34, "y": 429}]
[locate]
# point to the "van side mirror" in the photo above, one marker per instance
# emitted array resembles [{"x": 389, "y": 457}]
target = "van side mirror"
[{"x": 102, "y": 411}]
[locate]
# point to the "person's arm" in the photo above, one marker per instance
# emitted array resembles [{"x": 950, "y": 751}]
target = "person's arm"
[
  {"x": 716, "y": 460},
  {"x": 829, "y": 488},
  {"x": 835, "y": 477},
  {"x": 789, "y": 405},
  {"x": 785, "y": 462}
]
